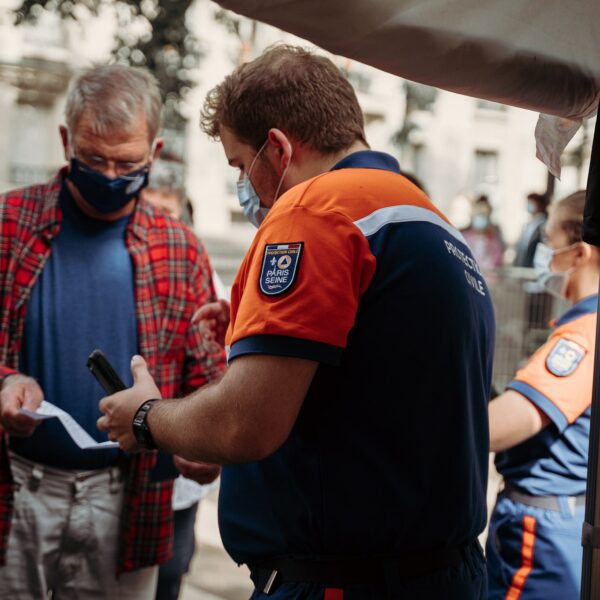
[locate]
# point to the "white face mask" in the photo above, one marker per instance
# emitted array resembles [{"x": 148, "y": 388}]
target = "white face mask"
[
  {"x": 248, "y": 198},
  {"x": 554, "y": 282},
  {"x": 480, "y": 222}
]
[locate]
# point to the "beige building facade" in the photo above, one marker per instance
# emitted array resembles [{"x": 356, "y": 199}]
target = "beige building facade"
[{"x": 458, "y": 146}]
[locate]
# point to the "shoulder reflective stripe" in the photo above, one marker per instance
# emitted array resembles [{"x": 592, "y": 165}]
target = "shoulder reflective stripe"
[
  {"x": 527, "y": 546},
  {"x": 404, "y": 214}
]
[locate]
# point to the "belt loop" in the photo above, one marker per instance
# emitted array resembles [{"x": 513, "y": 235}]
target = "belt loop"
[
  {"x": 35, "y": 477},
  {"x": 567, "y": 506},
  {"x": 272, "y": 583}
]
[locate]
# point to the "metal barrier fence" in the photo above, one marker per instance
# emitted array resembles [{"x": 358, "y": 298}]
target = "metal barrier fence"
[{"x": 523, "y": 315}]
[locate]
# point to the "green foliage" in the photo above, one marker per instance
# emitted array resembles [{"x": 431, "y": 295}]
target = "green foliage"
[{"x": 165, "y": 44}]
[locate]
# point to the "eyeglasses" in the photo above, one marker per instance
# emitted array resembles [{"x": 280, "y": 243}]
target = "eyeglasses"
[{"x": 125, "y": 169}]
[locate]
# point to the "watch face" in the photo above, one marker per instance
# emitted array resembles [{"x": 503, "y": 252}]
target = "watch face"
[{"x": 140, "y": 427}]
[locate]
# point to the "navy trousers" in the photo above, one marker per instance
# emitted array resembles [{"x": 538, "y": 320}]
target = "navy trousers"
[{"x": 533, "y": 553}]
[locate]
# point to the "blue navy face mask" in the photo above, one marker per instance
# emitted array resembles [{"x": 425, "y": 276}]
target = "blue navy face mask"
[{"x": 103, "y": 193}]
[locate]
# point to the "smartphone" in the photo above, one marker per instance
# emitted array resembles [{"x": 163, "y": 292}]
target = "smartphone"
[
  {"x": 109, "y": 379},
  {"x": 104, "y": 372}
]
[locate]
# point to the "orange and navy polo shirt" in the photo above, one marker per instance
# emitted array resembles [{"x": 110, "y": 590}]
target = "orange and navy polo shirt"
[
  {"x": 357, "y": 270},
  {"x": 558, "y": 380}
]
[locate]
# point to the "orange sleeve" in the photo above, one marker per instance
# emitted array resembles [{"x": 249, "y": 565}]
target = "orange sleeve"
[
  {"x": 559, "y": 376},
  {"x": 298, "y": 290}
]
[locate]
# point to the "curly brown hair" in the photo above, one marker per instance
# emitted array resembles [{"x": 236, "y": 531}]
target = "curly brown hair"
[{"x": 288, "y": 87}]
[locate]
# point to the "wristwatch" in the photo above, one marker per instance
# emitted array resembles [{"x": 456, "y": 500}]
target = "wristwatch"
[{"x": 140, "y": 425}]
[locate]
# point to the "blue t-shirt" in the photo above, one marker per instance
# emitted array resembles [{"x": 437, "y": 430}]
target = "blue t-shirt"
[
  {"x": 83, "y": 299},
  {"x": 389, "y": 452}
]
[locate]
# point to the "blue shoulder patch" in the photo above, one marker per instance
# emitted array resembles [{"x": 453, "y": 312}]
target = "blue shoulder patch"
[
  {"x": 280, "y": 267},
  {"x": 564, "y": 358}
]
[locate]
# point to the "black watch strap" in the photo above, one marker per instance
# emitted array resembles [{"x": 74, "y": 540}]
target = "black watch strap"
[{"x": 141, "y": 431}]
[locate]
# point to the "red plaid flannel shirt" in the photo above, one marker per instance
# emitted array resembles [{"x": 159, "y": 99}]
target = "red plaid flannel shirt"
[{"x": 172, "y": 279}]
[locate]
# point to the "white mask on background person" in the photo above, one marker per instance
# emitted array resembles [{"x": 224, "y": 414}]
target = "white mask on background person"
[
  {"x": 248, "y": 198},
  {"x": 480, "y": 222},
  {"x": 554, "y": 282}
]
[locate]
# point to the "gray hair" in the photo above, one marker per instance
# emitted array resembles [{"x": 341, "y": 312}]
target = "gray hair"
[
  {"x": 168, "y": 175},
  {"x": 116, "y": 94}
]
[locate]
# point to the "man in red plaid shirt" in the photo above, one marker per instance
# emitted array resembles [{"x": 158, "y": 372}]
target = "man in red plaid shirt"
[{"x": 84, "y": 264}]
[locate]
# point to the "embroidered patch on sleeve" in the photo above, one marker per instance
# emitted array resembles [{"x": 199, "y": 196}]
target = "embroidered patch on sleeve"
[
  {"x": 280, "y": 267},
  {"x": 564, "y": 358}
]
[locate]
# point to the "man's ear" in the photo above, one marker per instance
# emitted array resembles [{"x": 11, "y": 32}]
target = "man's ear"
[
  {"x": 281, "y": 153},
  {"x": 157, "y": 146},
  {"x": 64, "y": 137},
  {"x": 584, "y": 253}
]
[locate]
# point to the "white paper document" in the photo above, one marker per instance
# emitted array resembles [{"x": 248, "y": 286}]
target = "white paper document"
[{"x": 80, "y": 436}]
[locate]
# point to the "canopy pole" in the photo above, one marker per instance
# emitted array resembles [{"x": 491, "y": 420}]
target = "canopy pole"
[{"x": 590, "y": 576}]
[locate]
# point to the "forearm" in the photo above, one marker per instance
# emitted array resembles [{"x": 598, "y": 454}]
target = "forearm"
[
  {"x": 204, "y": 426},
  {"x": 245, "y": 417}
]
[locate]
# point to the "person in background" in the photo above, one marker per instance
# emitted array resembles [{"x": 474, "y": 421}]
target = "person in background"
[
  {"x": 531, "y": 236},
  {"x": 539, "y": 428},
  {"x": 484, "y": 238},
  {"x": 166, "y": 191},
  {"x": 84, "y": 264},
  {"x": 538, "y": 303}
]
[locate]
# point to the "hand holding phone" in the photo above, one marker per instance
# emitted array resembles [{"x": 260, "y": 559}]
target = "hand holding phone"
[{"x": 109, "y": 379}]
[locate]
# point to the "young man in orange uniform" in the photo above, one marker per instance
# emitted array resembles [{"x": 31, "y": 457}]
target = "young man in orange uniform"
[{"x": 360, "y": 343}]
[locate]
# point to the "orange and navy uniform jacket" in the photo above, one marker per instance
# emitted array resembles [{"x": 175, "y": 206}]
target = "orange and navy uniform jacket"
[
  {"x": 357, "y": 270},
  {"x": 172, "y": 278},
  {"x": 558, "y": 380}
]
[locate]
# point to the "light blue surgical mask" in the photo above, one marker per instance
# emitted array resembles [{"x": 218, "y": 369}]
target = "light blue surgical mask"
[
  {"x": 480, "y": 222},
  {"x": 248, "y": 198},
  {"x": 250, "y": 202},
  {"x": 554, "y": 282}
]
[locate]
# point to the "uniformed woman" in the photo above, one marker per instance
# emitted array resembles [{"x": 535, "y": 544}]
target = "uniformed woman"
[{"x": 539, "y": 428}]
